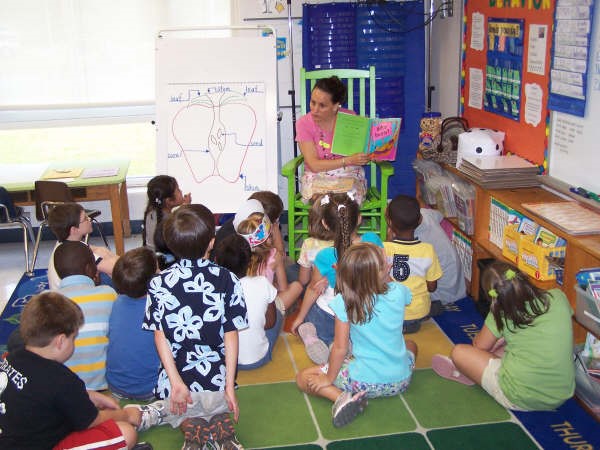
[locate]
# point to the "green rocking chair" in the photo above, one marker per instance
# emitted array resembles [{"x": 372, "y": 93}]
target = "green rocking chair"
[{"x": 373, "y": 208}]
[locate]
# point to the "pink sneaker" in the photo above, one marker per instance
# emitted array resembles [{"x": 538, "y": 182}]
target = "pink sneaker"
[
  {"x": 316, "y": 349},
  {"x": 445, "y": 368}
]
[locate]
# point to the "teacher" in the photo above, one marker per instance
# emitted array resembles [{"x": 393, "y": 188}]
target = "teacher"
[{"x": 324, "y": 171}]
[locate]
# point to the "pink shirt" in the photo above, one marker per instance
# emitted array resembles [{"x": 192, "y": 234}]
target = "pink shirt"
[{"x": 308, "y": 131}]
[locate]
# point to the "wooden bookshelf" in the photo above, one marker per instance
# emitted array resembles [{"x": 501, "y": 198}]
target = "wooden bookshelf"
[{"x": 581, "y": 251}]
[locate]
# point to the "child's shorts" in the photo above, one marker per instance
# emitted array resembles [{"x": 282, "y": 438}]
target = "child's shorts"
[
  {"x": 373, "y": 390},
  {"x": 489, "y": 382},
  {"x": 106, "y": 436}
]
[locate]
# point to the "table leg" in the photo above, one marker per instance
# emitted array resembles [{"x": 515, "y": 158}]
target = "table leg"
[
  {"x": 125, "y": 210},
  {"x": 117, "y": 219}
]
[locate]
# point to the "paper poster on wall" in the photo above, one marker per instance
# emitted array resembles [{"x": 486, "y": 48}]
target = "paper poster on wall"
[
  {"x": 475, "y": 88},
  {"x": 568, "y": 77},
  {"x": 269, "y": 9},
  {"x": 477, "y": 33},
  {"x": 536, "y": 50},
  {"x": 533, "y": 103},
  {"x": 504, "y": 67}
]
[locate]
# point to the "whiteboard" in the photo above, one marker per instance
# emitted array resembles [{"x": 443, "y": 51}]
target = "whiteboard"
[
  {"x": 216, "y": 109},
  {"x": 574, "y": 145}
]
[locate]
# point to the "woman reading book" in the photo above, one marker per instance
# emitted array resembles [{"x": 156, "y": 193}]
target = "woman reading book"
[{"x": 324, "y": 171}]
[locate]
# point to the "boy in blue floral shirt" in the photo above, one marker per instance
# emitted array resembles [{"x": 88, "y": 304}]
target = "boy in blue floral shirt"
[{"x": 195, "y": 309}]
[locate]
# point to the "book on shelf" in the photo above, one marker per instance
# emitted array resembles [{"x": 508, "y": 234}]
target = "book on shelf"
[{"x": 374, "y": 136}]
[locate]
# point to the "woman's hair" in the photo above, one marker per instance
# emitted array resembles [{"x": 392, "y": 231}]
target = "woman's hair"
[
  {"x": 159, "y": 189},
  {"x": 316, "y": 229},
  {"x": 48, "y": 315},
  {"x": 512, "y": 295},
  {"x": 341, "y": 215},
  {"x": 260, "y": 252},
  {"x": 189, "y": 231},
  {"x": 133, "y": 271},
  {"x": 360, "y": 277},
  {"x": 334, "y": 87},
  {"x": 234, "y": 253},
  {"x": 62, "y": 217}
]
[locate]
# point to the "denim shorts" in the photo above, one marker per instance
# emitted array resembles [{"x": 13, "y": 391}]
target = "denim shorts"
[{"x": 323, "y": 322}]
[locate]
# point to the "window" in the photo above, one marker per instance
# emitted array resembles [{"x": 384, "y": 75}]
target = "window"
[{"x": 78, "y": 75}]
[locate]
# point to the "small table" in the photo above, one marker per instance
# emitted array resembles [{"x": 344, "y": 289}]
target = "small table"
[{"x": 19, "y": 180}]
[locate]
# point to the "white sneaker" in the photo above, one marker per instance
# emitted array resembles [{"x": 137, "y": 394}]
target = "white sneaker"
[
  {"x": 347, "y": 406},
  {"x": 152, "y": 414}
]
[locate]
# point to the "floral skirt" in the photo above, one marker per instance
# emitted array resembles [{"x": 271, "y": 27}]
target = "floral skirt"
[{"x": 351, "y": 179}]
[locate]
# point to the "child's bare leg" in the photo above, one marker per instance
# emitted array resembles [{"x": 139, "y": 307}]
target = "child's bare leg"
[
  {"x": 128, "y": 432},
  {"x": 330, "y": 392},
  {"x": 412, "y": 346},
  {"x": 471, "y": 361}
]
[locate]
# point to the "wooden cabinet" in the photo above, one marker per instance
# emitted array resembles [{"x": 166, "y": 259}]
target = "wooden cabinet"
[{"x": 581, "y": 251}]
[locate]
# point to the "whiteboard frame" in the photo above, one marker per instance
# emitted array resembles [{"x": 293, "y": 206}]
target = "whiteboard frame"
[{"x": 188, "y": 37}]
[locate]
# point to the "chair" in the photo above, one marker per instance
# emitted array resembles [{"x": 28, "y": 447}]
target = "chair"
[
  {"x": 49, "y": 194},
  {"x": 12, "y": 216},
  {"x": 373, "y": 208}
]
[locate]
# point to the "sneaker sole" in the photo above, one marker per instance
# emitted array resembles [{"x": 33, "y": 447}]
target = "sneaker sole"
[
  {"x": 445, "y": 368},
  {"x": 348, "y": 412}
]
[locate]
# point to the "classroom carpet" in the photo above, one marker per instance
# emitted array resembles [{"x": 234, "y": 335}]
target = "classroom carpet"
[{"x": 433, "y": 414}]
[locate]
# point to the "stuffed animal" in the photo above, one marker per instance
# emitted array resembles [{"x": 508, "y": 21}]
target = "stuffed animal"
[{"x": 479, "y": 142}]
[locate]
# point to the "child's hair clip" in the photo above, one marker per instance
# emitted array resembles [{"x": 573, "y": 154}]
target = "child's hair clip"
[
  {"x": 158, "y": 201},
  {"x": 325, "y": 200},
  {"x": 510, "y": 274},
  {"x": 340, "y": 207},
  {"x": 351, "y": 196},
  {"x": 493, "y": 293}
]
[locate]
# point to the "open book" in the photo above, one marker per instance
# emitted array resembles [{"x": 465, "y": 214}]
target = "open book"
[{"x": 355, "y": 134}]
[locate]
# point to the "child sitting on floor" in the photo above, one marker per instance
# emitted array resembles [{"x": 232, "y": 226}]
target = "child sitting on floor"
[
  {"x": 369, "y": 311},
  {"x": 414, "y": 263},
  {"x": 131, "y": 360},
  {"x": 44, "y": 404},
  {"x": 76, "y": 267},
  {"x": 69, "y": 222},
  {"x": 264, "y": 320},
  {"x": 319, "y": 237},
  {"x": 536, "y": 370},
  {"x": 451, "y": 285},
  {"x": 195, "y": 308},
  {"x": 315, "y": 320}
]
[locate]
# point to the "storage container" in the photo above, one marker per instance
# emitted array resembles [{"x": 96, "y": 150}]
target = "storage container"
[
  {"x": 532, "y": 258},
  {"x": 587, "y": 311},
  {"x": 587, "y": 389}
]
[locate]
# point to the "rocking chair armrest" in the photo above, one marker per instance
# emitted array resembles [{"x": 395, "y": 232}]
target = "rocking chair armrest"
[
  {"x": 386, "y": 168},
  {"x": 289, "y": 168}
]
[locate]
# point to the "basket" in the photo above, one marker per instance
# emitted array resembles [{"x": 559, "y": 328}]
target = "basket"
[{"x": 532, "y": 258}]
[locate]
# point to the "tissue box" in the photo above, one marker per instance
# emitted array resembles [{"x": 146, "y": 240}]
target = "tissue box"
[
  {"x": 532, "y": 258},
  {"x": 511, "y": 243}
]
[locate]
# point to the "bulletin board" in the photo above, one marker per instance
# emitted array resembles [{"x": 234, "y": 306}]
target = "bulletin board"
[
  {"x": 505, "y": 71},
  {"x": 216, "y": 109}
]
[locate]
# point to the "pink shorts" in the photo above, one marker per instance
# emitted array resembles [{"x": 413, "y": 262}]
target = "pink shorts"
[{"x": 106, "y": 436}]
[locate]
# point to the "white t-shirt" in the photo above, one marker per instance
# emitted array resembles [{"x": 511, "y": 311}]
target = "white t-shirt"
[
  {"x": 451, "y": 286},
  {"x": 258, "y": 292}
]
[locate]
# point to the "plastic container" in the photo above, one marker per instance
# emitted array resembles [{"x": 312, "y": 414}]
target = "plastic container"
[
  {"x": 587, "y": 390},
  {"x": 587, "y": 311},
  {"x": 431, "y": 128}
]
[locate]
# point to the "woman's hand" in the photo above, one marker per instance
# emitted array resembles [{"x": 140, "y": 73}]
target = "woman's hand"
[{"x": 358, "y": 159}]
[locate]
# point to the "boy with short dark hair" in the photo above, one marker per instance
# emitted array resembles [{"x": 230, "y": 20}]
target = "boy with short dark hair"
[
  {"x": 76, "y": 267},
  {"x": 131, "y": 360},
  {"x": 195, "y": 309},
  {"x": 69, "y": 222},
  {"x": 414, "y": 263},
  {"x": 44, "y": 404}
]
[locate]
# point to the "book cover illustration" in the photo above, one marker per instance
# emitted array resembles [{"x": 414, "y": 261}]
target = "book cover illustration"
[{"x": 375, "y": 136}]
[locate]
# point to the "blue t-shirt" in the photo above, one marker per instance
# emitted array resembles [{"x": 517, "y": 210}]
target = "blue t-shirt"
[
  {"x": 132, "y": 361},
  {"x": 326, "y": 259},
  {"x": 378, "y": 348}
]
